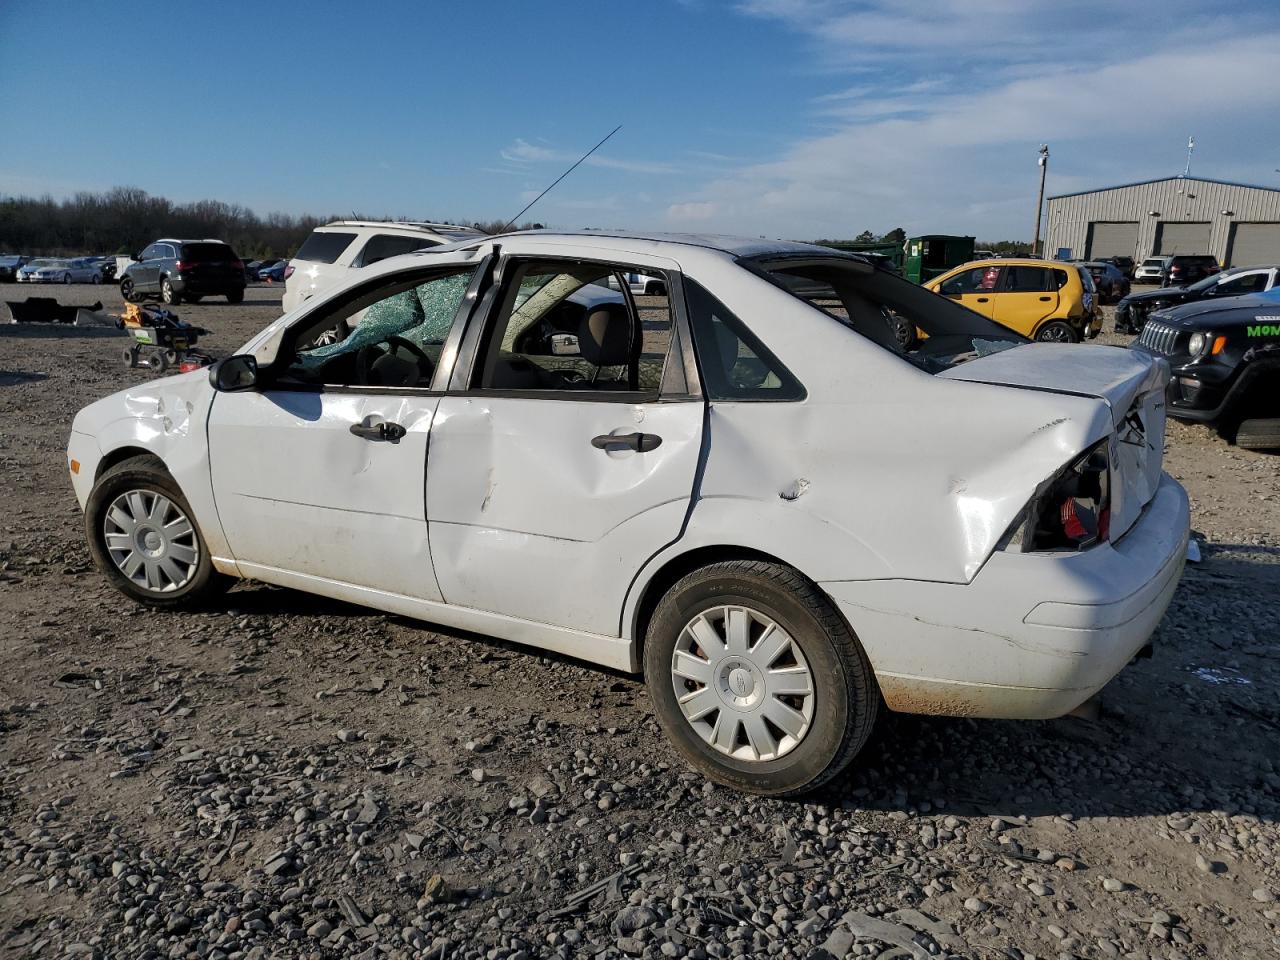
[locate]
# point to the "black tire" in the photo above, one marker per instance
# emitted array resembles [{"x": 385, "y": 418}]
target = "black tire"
[
  {"x": 66, "y": 278},
  {"x": 158, "y": 359},
  {"x": 846, "y": 696},
  {"x": 128, "y": 291},
  {"x": 1259, "y": 434},
  {"x": 97, "y": 278},
  {"x": 168, "y": 294},
  {"x": 130, "y": 357},
  {"x": 147, "y": 473},
  {"x": 1057, "y": 331},
  {"x": 235, "y": 296}
]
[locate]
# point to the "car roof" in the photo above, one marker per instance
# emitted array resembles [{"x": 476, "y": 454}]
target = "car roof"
[
  {"x": 422, "y": 225},
  {"x": 625, "y": 240}
]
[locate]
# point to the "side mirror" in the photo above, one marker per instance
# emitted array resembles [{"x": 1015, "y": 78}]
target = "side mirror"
[
  {"x": 565, "y": 345},
  {"x": 234, "y": 373}
]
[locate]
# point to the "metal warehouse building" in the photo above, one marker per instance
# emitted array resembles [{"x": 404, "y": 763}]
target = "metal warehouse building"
[{"x": 1239, "y": 224}]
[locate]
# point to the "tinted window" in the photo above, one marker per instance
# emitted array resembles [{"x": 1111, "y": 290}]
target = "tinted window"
[
  {"x": 1027, "y": 280},
  {"x": 324, "y": 247},
  {"x": 1246, "y": 283},
  {"x": 734, "y": 364},
  {"x": 974, "y": 280},
  {"x": 388, "y": 245},
  {"x": 205, "y": 252}
]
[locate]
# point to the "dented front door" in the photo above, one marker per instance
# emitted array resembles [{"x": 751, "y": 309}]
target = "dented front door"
[
  {"x": 298, "y": 491},
  {"x": 535, "y": 514}
]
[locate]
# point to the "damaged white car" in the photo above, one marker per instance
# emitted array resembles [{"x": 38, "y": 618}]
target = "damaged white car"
[{"x": 794, "y": 491}]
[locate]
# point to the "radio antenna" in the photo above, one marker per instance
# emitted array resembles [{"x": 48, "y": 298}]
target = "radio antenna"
[{"x": 510, "y": 222}]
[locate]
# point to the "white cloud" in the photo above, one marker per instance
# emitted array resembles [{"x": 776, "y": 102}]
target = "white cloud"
[
  {"x": 522, "y": 152},
  {"x": 961, "y": 157},
  {"x": 691, "y": 212}
]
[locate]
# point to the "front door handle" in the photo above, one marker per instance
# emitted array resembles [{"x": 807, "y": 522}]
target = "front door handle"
[
  {"x": 1046, "y": 299},
  {"x": 642, "y": 442},
  {"x": 375, "y": 428}
]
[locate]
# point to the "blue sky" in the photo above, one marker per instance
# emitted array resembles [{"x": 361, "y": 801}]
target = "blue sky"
[{"x": 796, "y": 118}]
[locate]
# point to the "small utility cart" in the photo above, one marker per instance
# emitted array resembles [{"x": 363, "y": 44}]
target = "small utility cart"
[{"x": 160, "y": 339}]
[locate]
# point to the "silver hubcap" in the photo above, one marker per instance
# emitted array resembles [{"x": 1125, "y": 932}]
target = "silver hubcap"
[
  {"x": 742, "y": 683},
  {"x": 151, "y": 541},
  {"x": 1055, "y": 334}
]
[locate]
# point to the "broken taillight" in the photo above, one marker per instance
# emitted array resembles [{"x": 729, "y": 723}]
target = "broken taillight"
[{"x": 1072, "y": 511}]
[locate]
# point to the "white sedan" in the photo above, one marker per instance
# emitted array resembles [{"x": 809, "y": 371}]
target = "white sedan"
[{"x": 750, "y": 492}]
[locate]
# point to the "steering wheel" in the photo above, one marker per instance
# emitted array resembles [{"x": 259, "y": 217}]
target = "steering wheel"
[{"x": 366, "y": 357}]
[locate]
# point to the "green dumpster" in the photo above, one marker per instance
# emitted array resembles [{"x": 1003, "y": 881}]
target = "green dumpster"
[
  {"x": 878, "y": 248},
  {"x": 934, "y": 255}
]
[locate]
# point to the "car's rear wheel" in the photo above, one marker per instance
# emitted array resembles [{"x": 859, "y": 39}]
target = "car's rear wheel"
[
  {"x": 127, "y": 291},
  {"x": 235, "y": 296},
  {"x": 143, "y": 537},
  {"x": 1057, "y": 331},
  {"x": 1259, "y": 434},
  {"x": 757, "y": 680},
  {"x": 66, "y": 278},
  {"x": 96, "y": 278},
  {"x": 168, "y": 294}
]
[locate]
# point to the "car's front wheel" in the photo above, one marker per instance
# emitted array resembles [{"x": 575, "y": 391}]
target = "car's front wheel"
[
  {"x": 127, "y": 291},
  {"x": 757, "y": 680},
  {"x": 1057, "y": 331},
  {"x": 143, "y": 537},
  {"x": 66, "y": 278}
]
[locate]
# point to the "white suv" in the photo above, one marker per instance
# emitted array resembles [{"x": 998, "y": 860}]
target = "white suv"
[{"x": 337, "y": 247}]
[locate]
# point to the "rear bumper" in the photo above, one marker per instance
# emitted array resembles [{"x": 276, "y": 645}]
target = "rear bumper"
[
  {"x": 1033, "y": 635},
  {"x": 203, "y": 285}
]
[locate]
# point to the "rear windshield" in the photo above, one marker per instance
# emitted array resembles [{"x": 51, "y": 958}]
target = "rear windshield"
[
  {"x": 204, "y": 252},
  {"x": 923, "y": 328},
  {"x": 324, "y": 247}
]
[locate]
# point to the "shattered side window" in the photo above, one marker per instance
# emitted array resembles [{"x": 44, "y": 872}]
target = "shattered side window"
[
  {"x": 924, "y": 328},
  {"x": 393, "y": 341}
]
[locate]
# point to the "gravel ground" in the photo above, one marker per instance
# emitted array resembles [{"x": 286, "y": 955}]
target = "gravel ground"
[{"x": 286, "y": 776}]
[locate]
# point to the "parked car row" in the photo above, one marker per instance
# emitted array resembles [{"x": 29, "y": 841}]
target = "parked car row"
[
  {"x": 690, "y": 475},
  {"x": 1132, "y": 311},
  {"x": 56, "y": 269}
]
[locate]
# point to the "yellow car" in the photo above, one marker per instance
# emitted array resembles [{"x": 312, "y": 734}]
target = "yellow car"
[{"x": 1040, "y": 299}]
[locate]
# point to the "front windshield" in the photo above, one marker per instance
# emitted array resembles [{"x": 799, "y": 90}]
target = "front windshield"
[{"x": 923, "y": 328}]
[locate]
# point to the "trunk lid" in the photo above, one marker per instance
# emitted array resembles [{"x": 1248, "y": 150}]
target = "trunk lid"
[{"x": 1131, "y": 386}]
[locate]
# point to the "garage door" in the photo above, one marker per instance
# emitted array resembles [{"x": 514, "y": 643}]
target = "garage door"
[
  {"x": 1112, "y": 240},
  {"x": 1182, "y": 238},
  {"x": 1255, "y": 244}
]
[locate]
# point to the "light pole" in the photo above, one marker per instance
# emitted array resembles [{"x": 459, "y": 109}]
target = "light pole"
[{"x": 1044, "y": 166}]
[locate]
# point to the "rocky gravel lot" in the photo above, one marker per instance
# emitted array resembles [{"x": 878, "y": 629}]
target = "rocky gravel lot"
[{"x": 284, "y": 776}]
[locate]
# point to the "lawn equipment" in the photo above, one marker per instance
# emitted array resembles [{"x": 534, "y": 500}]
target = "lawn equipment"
[{"x": 160, "y": 339}]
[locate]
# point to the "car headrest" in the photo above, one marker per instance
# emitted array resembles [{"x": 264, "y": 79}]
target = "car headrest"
[{"x": 604, "y": 337}]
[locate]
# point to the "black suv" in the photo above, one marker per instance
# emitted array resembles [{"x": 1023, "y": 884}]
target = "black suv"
[
  {"x": 1226, "y": 364},
  {"x": 1187, "y": 268},
  {"x": 177, "y": 270},
  {"x": 1132, "y": 310}
]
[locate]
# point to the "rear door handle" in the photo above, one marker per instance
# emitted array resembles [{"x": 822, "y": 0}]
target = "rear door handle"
[
  {"x": 642, "y": 442},
  {"x": 375, "y": 428},
  {"x": 983, "y": 299},
  {"x": 1046, "y": 299}
]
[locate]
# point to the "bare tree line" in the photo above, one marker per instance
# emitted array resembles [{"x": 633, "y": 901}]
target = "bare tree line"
[{"x": 123, "y": 220}]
